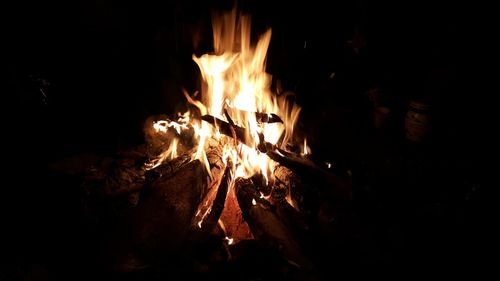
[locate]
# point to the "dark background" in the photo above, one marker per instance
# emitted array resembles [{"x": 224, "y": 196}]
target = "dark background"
[{"x": 83, "y": 77}]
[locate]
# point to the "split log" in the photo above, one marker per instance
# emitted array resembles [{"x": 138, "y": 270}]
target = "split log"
[
  {"x": 217, "y": 170},
  {"x": 266, "y": 227},
  {"x": 235, "y": 225},
  {"x": 210, "y": 221},
  {"x": 158, "y": 226}
]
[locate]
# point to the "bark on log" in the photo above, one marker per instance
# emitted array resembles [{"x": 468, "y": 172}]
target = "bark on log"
[
  {"x": 157, "y": 141},
  {"x": 158, "y": 226},
  {"x": 168, "y": 168},
  {"x": 266, "y": 227},
  {"x": 286, "y": 186},
  {"x": 308, "y": 171}
]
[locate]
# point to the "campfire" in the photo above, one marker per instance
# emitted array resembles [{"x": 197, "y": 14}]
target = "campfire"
[
  {"x": 233, "y": 125},
  {"x": 231, "y": 165}
]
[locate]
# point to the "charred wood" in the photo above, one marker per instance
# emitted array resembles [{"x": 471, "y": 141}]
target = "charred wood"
[
  {"x": 266, "y": 226},
  {"x": 146, "y": 235},
  {"x": 228, "y": 129},
  {"x": 286, "y": 185},
  {"x": 210, "y": 222},
  {"x": 309, "y": 171},
  {"x": 168, "y": 168}
]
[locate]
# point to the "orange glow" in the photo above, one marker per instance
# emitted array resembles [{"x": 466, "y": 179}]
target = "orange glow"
[{"x": 236, "y": 89}]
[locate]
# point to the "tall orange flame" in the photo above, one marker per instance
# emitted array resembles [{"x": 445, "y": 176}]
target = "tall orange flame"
[{"x": 235, "y": 88}]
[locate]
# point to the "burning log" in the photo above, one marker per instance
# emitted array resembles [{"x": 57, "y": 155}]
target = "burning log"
[
  {"x": 266, "y": 227},
  {"x": 218, "y": 204},
  {"x": 261, "y": 117},
  {"x": 234, "y": 224},
  {"x": 238, "y": 133},
  {"x": 170, "y": 194},
  {"x": 267, "y": 118},
  {"x": 214, "y": 157},
  {"x": 146, "y": 234},
  {"x": 217, "y": 171},
  {"x": 227, "y": 129},
  {"x": 287, "y": 199},
  {"x": 308, "y": 170},
  {"x": 230, "y": 215},
  {"x": 301, "y": 166},
  {"x": 286, "y": 185},
  {"x": 168, "y": 168}
]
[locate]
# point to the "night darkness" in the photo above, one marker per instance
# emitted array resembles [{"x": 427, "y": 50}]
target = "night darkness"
[{"x": 83, "y": 78}]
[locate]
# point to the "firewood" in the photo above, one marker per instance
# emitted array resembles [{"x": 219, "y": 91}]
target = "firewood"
[
  {"x": 303, "y": 167},
  {"x": 157, "y": 141},
  {"x": 238, "y": 133},
  {"x": 264, "y": 188},
  {"x": 235, "y": 225},
  {"x": 261, "y": 117},
  {"x": 286, "y": 184},
  {"x": 267, "y": 118},
  {"x": 287, "y": 189},
  {"x": 214, "y": 157},
  {"x": 126, "y": 176},
  {"x": 210, "y": 221},
  {"x": 309, "y": 171},
  {"x": 168, "y": 168},
  {"x": 228, "y": 129},
  {"x": 266, "y": 227},
  {"x": 217, "y": 168},
  {"x": 158, "y": 226}
]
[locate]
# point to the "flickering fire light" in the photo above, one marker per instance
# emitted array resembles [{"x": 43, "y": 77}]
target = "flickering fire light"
[{"x": 236, "y": 107}]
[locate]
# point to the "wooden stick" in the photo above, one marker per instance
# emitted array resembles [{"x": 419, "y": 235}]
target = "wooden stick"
[{"x": 227, "y": 129}]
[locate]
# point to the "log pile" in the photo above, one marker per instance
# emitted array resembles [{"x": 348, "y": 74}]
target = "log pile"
[{"x": 177, "y": 206}]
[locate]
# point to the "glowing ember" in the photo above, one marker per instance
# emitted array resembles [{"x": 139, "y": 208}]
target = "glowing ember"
[{"x": 229, "y": 240}]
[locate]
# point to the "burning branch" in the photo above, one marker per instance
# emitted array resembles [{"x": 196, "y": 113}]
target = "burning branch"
[{"x": 227, "y": 129}]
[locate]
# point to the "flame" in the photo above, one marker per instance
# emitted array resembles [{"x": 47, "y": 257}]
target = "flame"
[
  {"x": 235, "y": 89},
  {"x": 305, "y": 149},
  {"x": 236, "y": 84}
]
